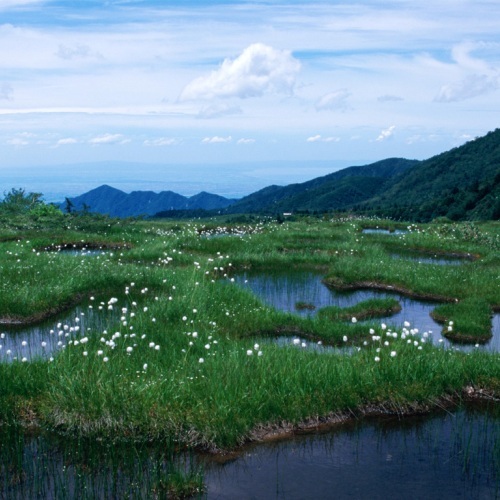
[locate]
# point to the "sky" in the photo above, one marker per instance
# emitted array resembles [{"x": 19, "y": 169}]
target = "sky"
[{"x": 199, "y": 93}]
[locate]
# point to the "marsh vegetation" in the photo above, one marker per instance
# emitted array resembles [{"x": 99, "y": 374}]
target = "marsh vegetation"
[{"x": 169, "y": 343}]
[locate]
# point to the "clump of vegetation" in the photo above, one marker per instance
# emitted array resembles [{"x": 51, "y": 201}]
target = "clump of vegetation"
[{"x": 183, "y": 353}]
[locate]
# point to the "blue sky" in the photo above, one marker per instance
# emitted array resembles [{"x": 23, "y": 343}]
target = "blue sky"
[{"x": 212, "y": 83}]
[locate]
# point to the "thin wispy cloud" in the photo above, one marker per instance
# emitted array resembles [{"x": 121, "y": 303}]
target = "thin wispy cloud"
[
  {"x": 334, "y": 101},
  {"x": 106, "y": 139},
  {"x": 216, "y": 140}
]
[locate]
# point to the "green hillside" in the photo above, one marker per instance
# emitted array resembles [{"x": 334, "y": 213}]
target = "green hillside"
[
  {"x": 462, "y": 183},
  {"x": 334, "y": 191}
]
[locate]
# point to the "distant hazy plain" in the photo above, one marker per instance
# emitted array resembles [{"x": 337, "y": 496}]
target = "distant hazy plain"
[{"x": 230, "y": 181}]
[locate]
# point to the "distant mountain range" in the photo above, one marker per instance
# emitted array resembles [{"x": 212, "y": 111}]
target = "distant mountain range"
[
  {"x": 463, "y": 183},
  {"x": 108, "y": 200}
]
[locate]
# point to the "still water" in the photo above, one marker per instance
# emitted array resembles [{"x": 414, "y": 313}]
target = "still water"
[
  {"x": 439, "y": 456},
  {"x": 284, "y": 289}
]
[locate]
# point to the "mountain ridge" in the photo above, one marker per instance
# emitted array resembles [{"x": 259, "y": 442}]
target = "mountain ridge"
[{"x": 108, "y": 200}]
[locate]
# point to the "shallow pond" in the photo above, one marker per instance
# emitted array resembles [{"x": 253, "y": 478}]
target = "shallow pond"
[
  {"x": 383, "y": 231},
  {"x": 284, "y": 289},
  {"x": 433, "y": 259},
  {"x": 45, "y": 339},
  {"x": 444, "y": 455}
]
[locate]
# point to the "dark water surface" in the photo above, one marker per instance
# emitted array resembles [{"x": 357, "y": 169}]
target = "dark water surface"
[
  {"x": 284, "y": 289},
  {"x": 439, "y": 456},
  {"x": 450, "y": 455}
]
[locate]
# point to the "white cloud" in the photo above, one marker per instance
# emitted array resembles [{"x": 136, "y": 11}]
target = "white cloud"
[
  {"x": 218, "y": 110},
  {"x": 216, "y": 140},
  {"x": 336, "y": 100},
  {"x": 108, "y": 139},
  {"x": 319, "y": 138},
  {"x": 245, "y": 141},
  {"x": 162, "y": 141},
  {"x": 78, "y": 51},
  {"x": 259, "y": 69},
  {"x": 17, "y": 141},
  {"x": 9, "y": 4},
  {"x": 469, "y": 87},
  {"x": 385, "y": 134},
  {"x": 67, "y": 140}
]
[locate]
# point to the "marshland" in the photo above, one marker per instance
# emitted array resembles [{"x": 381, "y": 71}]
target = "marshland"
[{"x": 178, "y": 340}]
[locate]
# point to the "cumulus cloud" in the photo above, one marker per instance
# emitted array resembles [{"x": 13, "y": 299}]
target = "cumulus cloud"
[
  {"x": 471, "y": 86},
  {"x": 216, "y": 140},
  {"x": 319, "y": 138},
  {"x": 245, "y": 141},
  {"x": 218, "y": 110},
  {"x": 162, "y": 141},
  {"x": 108, "y": 139},
  {"x": 6, "y": 91},
  {"x": 336, "y": 100},
  {"x": 258, "y": 70},
  {"x": 385, "y": 134}
]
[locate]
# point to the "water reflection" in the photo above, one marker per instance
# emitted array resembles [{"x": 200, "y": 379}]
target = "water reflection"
[
  {"x": 434, "y": 259},
  {"x": 283, "y": 289},
  {"x": 383, "y": 231},
  {"x": 445, "y": 455},
  {"x": 451, "y": 455},
  {"x": 43, "y": 340}
]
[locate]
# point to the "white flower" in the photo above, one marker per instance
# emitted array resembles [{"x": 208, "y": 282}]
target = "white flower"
[
  {"x": 406, "y": 324},
  {"x": 259, "y": 353},
  {"x": 24, "y": 343},
  {"x": 201, "y": 360},
  {"x": 207, "y": 346},
  {"x": 105, "y": 359},
  {"x": 100, "y": 353},
  {"x": 344, "y": 338},
  {"x": 145, "y": 366},
  {"x": 249, "y": 352},
  {"x": 44, "y": 344},
  {"x": 296, "y": 341},
  {"x": 383, "y": 326},
  {"x": 393, "y": 354},
  {"x": 85, "y": 353},
  {"x": 157, "y": 347},
  {"x": 256, "y": 347},
  {"x": 377, "y": 359},
  {"x": 130, "y": 349},
  {"x": 354, "y": 320}
]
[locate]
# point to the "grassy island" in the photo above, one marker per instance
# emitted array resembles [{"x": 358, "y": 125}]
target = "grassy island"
[{"x": 188, "y": 355}]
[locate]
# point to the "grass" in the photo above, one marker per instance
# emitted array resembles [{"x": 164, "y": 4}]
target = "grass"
[{"x": 185, "y": 360}]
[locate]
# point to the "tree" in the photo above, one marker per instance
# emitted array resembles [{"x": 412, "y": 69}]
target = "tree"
[
  {"x": 17, "y": 201},
  {"x": 69, "y": 206}
]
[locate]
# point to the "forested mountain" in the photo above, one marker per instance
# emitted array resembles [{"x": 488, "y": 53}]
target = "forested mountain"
[
  {"x": 463, "y": 183},
  {"x": 108, "y": 200},
  {"x": 334, "y": 191}
]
